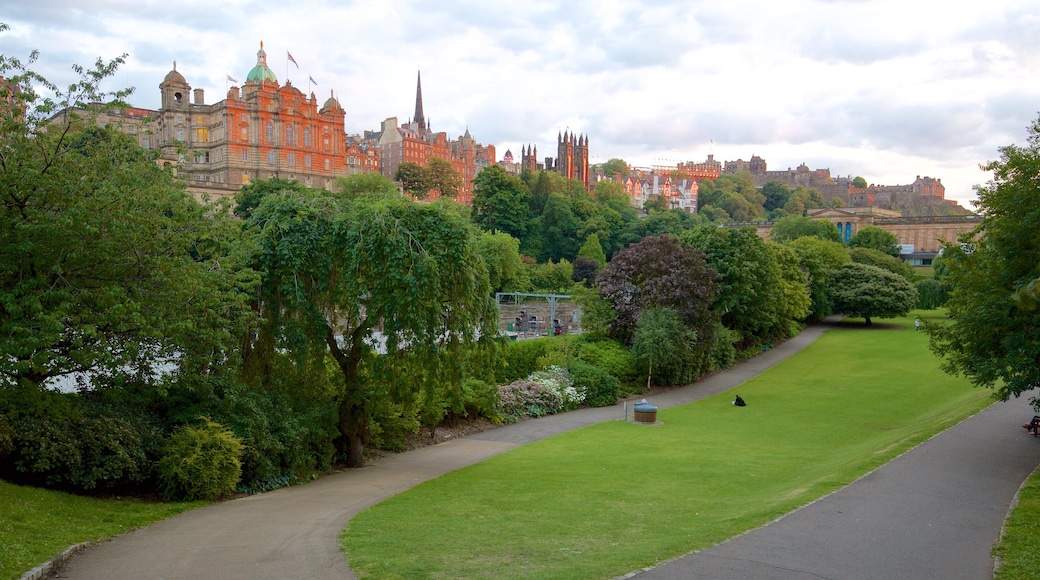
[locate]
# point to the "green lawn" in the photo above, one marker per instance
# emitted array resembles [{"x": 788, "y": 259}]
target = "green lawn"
[
  {"x": 1019, "y": 548},
  {"x": 38, "y": 524},
  {"x": 614, "y": 497}
]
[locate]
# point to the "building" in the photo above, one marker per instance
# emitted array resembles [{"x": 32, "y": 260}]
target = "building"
[
  {"x": 572, "y": 158},
  {"x": 415, "y": 142}
]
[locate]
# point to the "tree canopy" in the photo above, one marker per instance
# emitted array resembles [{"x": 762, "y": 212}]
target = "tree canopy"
[
  {"x": 793, "y": 227},
  {"x": 861, "y": 290},
  {"x": 992, "y": 273},
  {"x": 500, "y": 202},
  {"x": 876, "y": 238}
]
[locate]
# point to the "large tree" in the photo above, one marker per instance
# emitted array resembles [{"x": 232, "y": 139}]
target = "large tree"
[
  {"x": 793, "y": 227},
  {"x": 875, "y": 238},
  {"x": 762, "y": 292},
  {"x": 107, "y": 266},
  {"x": 861, "y": 290},
  {"x": 993, "y": 334},
  {"x": 660, "y": 271},
  {"x": 819, "y": 259},
  {"x": 377, "y": 274},
  {"x": 500, "y": 202}
]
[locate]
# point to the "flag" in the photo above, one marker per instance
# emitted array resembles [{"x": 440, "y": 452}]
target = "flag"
[
  {"x": 234, "y": 80},
  {"x": 310, "y": 78},
  {"x": 291, "y": 59}
]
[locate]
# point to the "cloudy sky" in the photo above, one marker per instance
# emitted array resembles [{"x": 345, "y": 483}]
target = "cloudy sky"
[{"x": 886, "y": 89}]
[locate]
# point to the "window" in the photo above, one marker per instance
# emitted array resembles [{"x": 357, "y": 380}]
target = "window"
[
  {"x": 131, "y": 129},
  {"x": 328, "y": 164},
  {"x": 306, "y": 136},
  {"x": 270, "y": 157},
  {"x": 180, "y": 118},
  {"x": 245, "y": 155},
  {"x": 243, "y": 117},
  {"x": 270, "y": 132},
  {"x": 202, "y": 135},
  {"x": 290, "y": 159},
  {"x": 326, "y": 143},
  {"x": 244, "y": 134},
  {"x": 180, "y": 134},
  {"x": 145, "y": 143},
  {"x": 306, "y": 160},
  {"x": 201, "y": 157},
  {"x": 245, "y": 179},
  {"x": 199, "y": 119},
  {"x": 290, "y": 134}
]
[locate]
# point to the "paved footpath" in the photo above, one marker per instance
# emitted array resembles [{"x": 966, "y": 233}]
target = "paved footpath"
[{"x": 962, "y": 489}]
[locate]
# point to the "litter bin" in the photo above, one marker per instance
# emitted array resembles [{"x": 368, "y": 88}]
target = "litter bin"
[{"x": 645, "y": 413}]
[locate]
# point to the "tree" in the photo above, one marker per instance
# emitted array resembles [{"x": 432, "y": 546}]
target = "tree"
[
  {"x": 585, "y": 270},
  {"x": 991, "y": 335},
  {"x": 754, "y": 297},
  {"x": 861, "y": 290},
  {"x": 796, "y": 226},
  {"x": 107, "y": 266},
  {"x": 443, "y": 178},
  {"x": 500, "y": 202},
  {"x": 592, "y": 250},
  {"x": 859, "y": 182},
  {"x": 881, "y": 260},
  {"x": 335, "y": 271},
  {"x": 819, "y": 259},
  {"x": 663, "y": 343},
  {"x": 415, "y": 179},
  {"x": 352, "y": 186},
  {"x": 777, "y": 194},
  {"x": 250, "y": 196},
  {"x": 615, "y": 167},
  {"x": 501, "y": 255},
  {"x": 558, "y": 227},
  {"x": 876, "y": 238},
  {"x": 660, "y": 271}
]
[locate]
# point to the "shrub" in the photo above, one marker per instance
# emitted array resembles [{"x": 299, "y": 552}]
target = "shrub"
[
  {"x": 521, "y": 358},
  {"x": 78, "y": 453},
  {"x": 600, "y": 387},
  {"x": 610, "y": 356},
  {"x": 6, "y": 437},
  {"x": 559, "y": 380},
  {"x": 476, "y": 398},
  {"x": 521, "y": 398},
  {"x": 200, "y": 462}
]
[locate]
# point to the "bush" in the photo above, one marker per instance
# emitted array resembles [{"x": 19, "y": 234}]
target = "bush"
[
  {"x": 200, "y": 462},
  {"x": 559, "y": 380},
  {"x": 610, "y": 356},
  {"x": 521, "y": 358},
  {"x": 78, "y": 453},
  {"x": 6, "y": 437},
  {"x": 476, "y": 399},
  {"x": 522, "y": 398},
  {"x": 600, "y": 387}
]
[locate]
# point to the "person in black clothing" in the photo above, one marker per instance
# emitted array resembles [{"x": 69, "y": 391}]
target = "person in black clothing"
[{"x": 739, "y": 402}]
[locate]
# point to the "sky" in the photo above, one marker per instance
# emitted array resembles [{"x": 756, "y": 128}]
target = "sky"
[{"x": 884, "y": 89}]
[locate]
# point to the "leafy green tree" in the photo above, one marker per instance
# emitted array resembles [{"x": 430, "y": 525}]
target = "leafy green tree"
[
  {"x": 859, "y": 182},
  {"x": 930, "y": 294},
  {"x": 819, "y": 259},
  {"x": 250, "y": 196},
  {"x": 664, "y": 344},
  {"x": 552, "y": 277},
  {"x": 414, "y": 178},
  {"x": 501, "y": 255},
  {"x": 861, "y": 290},
  {"x": 614, "y": 167},
  {"x": 991, "y": 336},
  {"x": 558, "y": 228},
  {"x": 754, "y": 298},
  {"x": 876, "y": 238},
  {"x": 660, "y": 271},
  {"x": 796, "y": 226},
  {"x": 443, "y": 178},
  {"x": 873, "y": 257},
  {"x": 365, "y": 183},
  {"x": 777, "y": 194},
  {"x": 500, "y": 202},
  {"x": 336, "y": 271},
  {"x": 107, "y": 266},
  {"x": 592, "y": 250}
]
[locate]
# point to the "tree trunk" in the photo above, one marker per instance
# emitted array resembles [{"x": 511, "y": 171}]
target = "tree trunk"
[
  {"x": 353, "y": 416},
  {"x": 867, "y": 318}
]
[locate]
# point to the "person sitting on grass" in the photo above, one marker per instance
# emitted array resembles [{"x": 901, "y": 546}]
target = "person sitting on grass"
[{"x": 1033, "y": 426}]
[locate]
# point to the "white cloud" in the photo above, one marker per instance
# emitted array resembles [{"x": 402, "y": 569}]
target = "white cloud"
[{"x": 884, "y": 89}]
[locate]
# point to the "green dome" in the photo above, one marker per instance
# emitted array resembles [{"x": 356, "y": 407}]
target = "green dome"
[{"x": 261, "y": 73}]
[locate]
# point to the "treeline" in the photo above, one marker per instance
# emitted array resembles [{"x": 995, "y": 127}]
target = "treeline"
[{"x": 206, "y": 348}]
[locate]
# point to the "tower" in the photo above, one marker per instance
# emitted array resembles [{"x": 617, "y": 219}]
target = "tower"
[{"x": 419, "y": 118}]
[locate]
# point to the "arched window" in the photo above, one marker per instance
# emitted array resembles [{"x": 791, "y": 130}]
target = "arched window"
[{"x": 290, "y": 134}]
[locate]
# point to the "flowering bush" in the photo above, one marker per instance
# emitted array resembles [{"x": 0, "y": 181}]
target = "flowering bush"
[{"x": 541, "y": 393}]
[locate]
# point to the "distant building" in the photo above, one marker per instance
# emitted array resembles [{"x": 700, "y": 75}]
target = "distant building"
[{"x": 572, "y": 158}]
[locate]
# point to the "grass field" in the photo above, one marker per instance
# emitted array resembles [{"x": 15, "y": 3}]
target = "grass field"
[
  {"x": 614, "y": 497},
  {"x": 38, "y": 524}
]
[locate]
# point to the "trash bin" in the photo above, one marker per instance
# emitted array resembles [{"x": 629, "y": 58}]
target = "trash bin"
[{"x": 645, "y": 413}]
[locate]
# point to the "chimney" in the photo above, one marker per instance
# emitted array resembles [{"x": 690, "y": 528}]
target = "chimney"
[{"x": 199, "y": 99}]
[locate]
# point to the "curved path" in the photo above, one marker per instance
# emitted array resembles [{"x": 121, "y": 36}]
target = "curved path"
[{"x": 292, "y": 533}]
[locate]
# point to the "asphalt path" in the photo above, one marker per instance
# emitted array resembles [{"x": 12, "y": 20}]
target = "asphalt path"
[{"x": 959, "y": 490}]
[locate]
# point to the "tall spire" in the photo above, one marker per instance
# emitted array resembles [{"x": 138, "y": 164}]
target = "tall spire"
[{"x": 419, "y": 118}]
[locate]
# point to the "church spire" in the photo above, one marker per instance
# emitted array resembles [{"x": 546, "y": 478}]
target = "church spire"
[{"x": 419, "y": 118}]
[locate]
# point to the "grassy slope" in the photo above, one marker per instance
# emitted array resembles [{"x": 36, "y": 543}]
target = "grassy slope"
[
  {"x": 614, "y": 497},
  {"x": 37, "y": 524}
]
